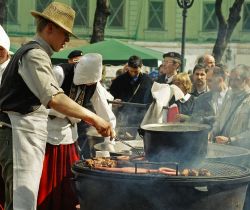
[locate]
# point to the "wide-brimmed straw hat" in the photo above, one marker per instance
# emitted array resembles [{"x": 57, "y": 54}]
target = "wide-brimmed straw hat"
[{"x": 60, "y": 14}]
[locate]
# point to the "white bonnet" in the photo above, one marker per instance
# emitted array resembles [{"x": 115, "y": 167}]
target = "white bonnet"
[
  {"x": 4, "y": 39},
  {"x": 89, "y": 69}
]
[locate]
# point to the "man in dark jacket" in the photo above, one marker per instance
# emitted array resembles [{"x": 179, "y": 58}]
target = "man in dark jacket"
[{"x": 135, "y": 87}]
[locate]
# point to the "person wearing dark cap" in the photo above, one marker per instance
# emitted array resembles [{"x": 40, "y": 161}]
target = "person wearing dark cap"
[
  {"x": 75, "y": 56},
  {"x": 171, "y": 63}
]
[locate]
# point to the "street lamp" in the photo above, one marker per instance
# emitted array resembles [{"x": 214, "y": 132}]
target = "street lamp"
[{"x": 184, "y": 4}]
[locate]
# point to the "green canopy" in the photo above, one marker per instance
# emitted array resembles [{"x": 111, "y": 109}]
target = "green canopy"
[{"x": 114, "y": 52}]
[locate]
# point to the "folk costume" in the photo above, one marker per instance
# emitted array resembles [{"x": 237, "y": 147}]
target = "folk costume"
[{"x": 81, "y": 83}]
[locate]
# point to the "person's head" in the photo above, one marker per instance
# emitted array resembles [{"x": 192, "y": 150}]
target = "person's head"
[
  {"x": 4, "y": 45},
  {"x": 199, "y": 76},
  {"x": 239, "y": 76},
  {"x": 171, "y": 62},
  {"x": 88, "y": 70},
  {"x": 134, "y": 66},
  {"x": 216, "y": 79},
  {"x": 74, "y": 56},
  {"x": 209, "y": 60},
  {"x": 182, "y": 80},
  {"x": 55, "y": 24}
]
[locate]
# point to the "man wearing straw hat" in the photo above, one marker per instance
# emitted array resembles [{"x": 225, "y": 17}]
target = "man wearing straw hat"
[
  {"x": 6, "y": 166},
  {"x": 28, "y": 88}
]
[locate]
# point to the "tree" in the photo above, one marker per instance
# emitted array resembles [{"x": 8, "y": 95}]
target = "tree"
[
  {"x": 101, "y": 15},
  {"x": 226, "y": 27}
]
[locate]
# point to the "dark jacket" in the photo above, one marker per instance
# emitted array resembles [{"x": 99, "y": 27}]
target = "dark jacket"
[
  {"x": 203, "y": 111},
  {"x": 124, "y": 88},
  {"x": 187, "y": 107}
]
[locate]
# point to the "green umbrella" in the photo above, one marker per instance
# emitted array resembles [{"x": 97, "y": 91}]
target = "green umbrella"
[{"x": 114, "y": 52}]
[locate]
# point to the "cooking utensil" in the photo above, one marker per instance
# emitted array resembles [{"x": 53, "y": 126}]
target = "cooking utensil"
[
  {"x": 131, "y": 104},
  {"x": 127, "y": 144}
]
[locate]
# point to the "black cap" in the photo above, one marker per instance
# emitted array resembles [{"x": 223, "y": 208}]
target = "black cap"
[
  {"x": 173, "y": 55},
  {"x": 75, "y": 53}
]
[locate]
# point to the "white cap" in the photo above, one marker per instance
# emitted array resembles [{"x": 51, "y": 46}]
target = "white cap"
[
  {"x": 4, "y": 39},
  {"x": 89, "y": 69}
]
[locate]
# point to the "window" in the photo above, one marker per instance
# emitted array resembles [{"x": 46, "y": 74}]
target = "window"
[
  {"x": 11, "y": 11},
  {"x": 246, "y": 17},
  {"x": 156, "y": 14},
  {"x": 116, "y": 18},
  {"x": 81, "y": 9},
  {"x": 210, "y": 22},
  {"x": 42, "y": 4}
]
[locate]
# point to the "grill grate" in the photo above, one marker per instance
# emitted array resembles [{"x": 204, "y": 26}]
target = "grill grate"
[{"x": 217, "y": 169}]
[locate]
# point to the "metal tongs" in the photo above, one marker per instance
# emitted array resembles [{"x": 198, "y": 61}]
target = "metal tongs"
[{"x": 129, "y": 145}]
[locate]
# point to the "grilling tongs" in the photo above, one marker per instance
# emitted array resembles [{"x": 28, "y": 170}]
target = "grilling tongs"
[{"x": 111, "y": 146}]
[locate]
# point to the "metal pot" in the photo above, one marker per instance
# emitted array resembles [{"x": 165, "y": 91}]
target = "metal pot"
[{"x": 177, "y": 142}]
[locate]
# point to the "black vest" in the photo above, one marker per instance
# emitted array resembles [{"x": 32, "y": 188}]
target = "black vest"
[
  {"x": 68, "y": 85},
  {"x": 14, "y": 93}
]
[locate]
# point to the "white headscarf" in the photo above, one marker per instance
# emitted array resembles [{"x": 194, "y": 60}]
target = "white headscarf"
[
  {"x": 4, "y": 39},
  {"x": 89, "y": 69}
]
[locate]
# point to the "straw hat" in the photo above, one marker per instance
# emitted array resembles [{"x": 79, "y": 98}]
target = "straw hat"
[
  {"x": 89, "y": 69},
  {"x": 60, "y": 14}
]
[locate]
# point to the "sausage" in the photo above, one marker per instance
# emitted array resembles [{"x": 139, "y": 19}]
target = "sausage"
[
  {"x": 167, "y": 171},
  {"x": 124, "y": 170}
]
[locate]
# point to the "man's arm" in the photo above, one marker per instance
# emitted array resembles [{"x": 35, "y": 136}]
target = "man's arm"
[{"x": 67, "y": 106}]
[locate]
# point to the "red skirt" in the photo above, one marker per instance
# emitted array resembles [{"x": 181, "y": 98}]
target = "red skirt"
[
  {"x": 56, "y": 191},
  {"x": 2, "y": 187}
]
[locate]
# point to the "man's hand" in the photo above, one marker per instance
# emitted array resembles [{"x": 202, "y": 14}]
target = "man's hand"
[
  {"x": 222, "y": 140},
  {"x": 104, "y": 128}
]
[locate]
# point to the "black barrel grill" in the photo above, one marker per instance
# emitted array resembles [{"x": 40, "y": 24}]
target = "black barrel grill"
[{"x": 224, "y": 189}]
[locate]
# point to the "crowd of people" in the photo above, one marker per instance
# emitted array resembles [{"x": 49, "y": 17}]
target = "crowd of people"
[{"x": 46, "y": 109}]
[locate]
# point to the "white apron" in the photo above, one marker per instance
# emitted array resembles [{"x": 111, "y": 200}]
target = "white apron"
[{"x": 29, "y": 142}]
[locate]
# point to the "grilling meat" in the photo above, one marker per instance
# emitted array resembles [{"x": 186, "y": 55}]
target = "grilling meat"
[
  {"x": 100, "y": 162},
  {"x": 194, "y": 172}
]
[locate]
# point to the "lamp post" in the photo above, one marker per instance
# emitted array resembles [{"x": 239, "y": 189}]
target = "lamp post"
[{"x": 184, "y": 4}]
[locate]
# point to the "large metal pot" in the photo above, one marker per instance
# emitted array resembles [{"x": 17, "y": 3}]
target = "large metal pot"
[{"x": 178, "y": 142}]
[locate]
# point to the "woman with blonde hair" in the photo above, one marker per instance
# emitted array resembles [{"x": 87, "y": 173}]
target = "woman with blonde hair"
[{"x": 185, "y": 105}]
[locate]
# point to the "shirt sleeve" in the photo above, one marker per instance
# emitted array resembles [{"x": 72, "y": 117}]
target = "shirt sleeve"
[
  {"x": 101, "y": 106},
  {"x": 35, "y": 68}
]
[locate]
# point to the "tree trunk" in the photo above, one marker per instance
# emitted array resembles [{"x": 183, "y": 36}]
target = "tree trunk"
[
  {"x": 101, "y": 14},
  {"x": 225, "y": 27},
  {"x": 2, "y": 11}
]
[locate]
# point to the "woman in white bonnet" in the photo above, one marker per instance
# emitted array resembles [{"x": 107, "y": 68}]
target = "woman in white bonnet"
[
  {"x": 6, "y": 162},
  {"x": 4, "y": 51},
  {"x": 81, "y": 82}
]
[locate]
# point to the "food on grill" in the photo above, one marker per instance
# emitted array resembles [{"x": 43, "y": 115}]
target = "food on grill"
[
  {"x": 204, "y": 172},
  {"x": 100, "y": 162},
  {"x": 131, "y": 170},
  {"x": 195, "y": 172},
  {"x": 189, "y": 172},
  {"x": 167, "y": 171}
]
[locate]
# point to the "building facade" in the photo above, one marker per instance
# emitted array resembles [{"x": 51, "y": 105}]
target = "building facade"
[{"x": 156, "y": 24}]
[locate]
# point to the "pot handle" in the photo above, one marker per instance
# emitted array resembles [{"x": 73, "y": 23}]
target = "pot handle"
[{"x": 141, "y": 132}]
